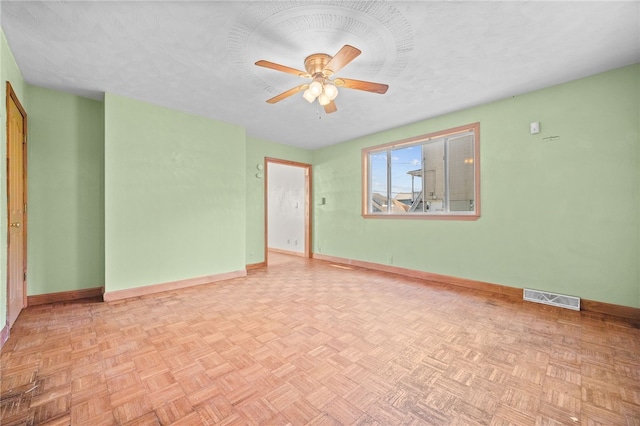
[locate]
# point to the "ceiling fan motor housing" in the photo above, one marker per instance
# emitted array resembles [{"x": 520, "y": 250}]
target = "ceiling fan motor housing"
[{"x": 316, "y": 63}]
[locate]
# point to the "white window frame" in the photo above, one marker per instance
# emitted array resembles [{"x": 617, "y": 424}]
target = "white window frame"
[{"x": 418, "y": 141}]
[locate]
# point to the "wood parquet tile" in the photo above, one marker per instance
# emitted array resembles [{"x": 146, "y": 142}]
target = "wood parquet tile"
[{"x": 304, "y": 342}]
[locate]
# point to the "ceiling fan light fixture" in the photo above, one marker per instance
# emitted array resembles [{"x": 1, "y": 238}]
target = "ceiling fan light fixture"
[
  {"x": 316, "y": 87},
  {"x": 323, "y": 99},
  {"x": 330, "y": 91},
  {"x": 308, "y": 96}
]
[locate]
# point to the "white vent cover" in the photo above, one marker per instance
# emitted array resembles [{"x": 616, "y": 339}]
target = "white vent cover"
[{"x": 561, "y": 300}]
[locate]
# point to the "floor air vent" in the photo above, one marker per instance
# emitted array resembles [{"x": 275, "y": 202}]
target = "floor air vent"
[{"x": 561, "y": 300}]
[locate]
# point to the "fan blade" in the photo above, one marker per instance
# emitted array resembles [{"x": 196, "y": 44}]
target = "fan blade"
[
  {"x": 278, "y": 67},
  {"x": 342, "y": 58},
  {"x": 288, "y": 93},
  {"x": 367, "y": 86},
  {"x": 330, "y": 107}
]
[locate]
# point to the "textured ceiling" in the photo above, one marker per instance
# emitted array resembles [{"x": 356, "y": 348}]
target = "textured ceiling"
[{"x": 199, "y": 57}]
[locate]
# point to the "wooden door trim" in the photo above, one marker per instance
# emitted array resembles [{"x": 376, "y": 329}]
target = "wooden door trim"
[
  {"x": 11, "y": 96},
  {"x": 307, "y": 204}
]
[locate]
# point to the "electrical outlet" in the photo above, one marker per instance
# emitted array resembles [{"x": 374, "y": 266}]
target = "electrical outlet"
[
  {"x": 295, "y": 242},
  {"x": 288, "y": 241},
  {"x": 390, "y": 260},
  {"x": 251, "y": 256}
]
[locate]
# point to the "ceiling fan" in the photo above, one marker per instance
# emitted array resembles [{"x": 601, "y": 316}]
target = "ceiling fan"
[{"x": 321, "y": 67}]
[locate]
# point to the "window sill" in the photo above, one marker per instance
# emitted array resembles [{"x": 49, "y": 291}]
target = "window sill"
[{"x": 433, "y": 216}]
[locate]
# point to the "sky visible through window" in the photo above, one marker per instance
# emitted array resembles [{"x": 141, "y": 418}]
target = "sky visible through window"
[{"x": 403, "y": 160}]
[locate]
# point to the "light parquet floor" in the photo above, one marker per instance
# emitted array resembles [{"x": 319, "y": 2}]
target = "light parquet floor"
[{"x": 305, "y": 342}]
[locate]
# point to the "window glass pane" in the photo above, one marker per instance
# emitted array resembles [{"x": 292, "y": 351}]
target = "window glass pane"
[
  {"x": 461, "y": 174},
  {"x": 378, "y": 181},
  {"x": 406, "y": 182},
  {"x": 433, "y": 179},
  {"x": 435, "y": 175}
]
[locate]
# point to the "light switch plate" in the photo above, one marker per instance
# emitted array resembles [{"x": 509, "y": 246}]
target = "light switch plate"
[{"x": 534, "y": 127}]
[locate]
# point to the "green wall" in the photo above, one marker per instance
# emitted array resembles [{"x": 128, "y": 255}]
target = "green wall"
[
  {"x": 174, "y": 195},
  {"x": 66, "y": 192},
  {"x": 257, "y": 150},
  {"x": 559, "y": 216},
  {"x": 9, "y": 71}
]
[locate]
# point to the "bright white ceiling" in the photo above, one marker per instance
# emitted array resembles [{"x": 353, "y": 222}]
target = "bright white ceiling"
[{"x": 198, "y": 57}]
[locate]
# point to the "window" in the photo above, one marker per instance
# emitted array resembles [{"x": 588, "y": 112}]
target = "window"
[{"x": 430, "y": 176}]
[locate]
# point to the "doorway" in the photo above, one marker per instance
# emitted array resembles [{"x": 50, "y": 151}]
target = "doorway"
[
  {"x": 287, "y": 208},
  {"x": 16, "y": 207}
]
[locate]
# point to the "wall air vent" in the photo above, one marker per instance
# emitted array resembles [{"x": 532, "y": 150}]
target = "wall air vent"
[{"x": 561, "y": 300}]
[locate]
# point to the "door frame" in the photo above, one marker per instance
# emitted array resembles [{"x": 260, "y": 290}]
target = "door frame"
[
  {"x": 11, "y": 96},
  {"x": 307, "y": 204}
]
